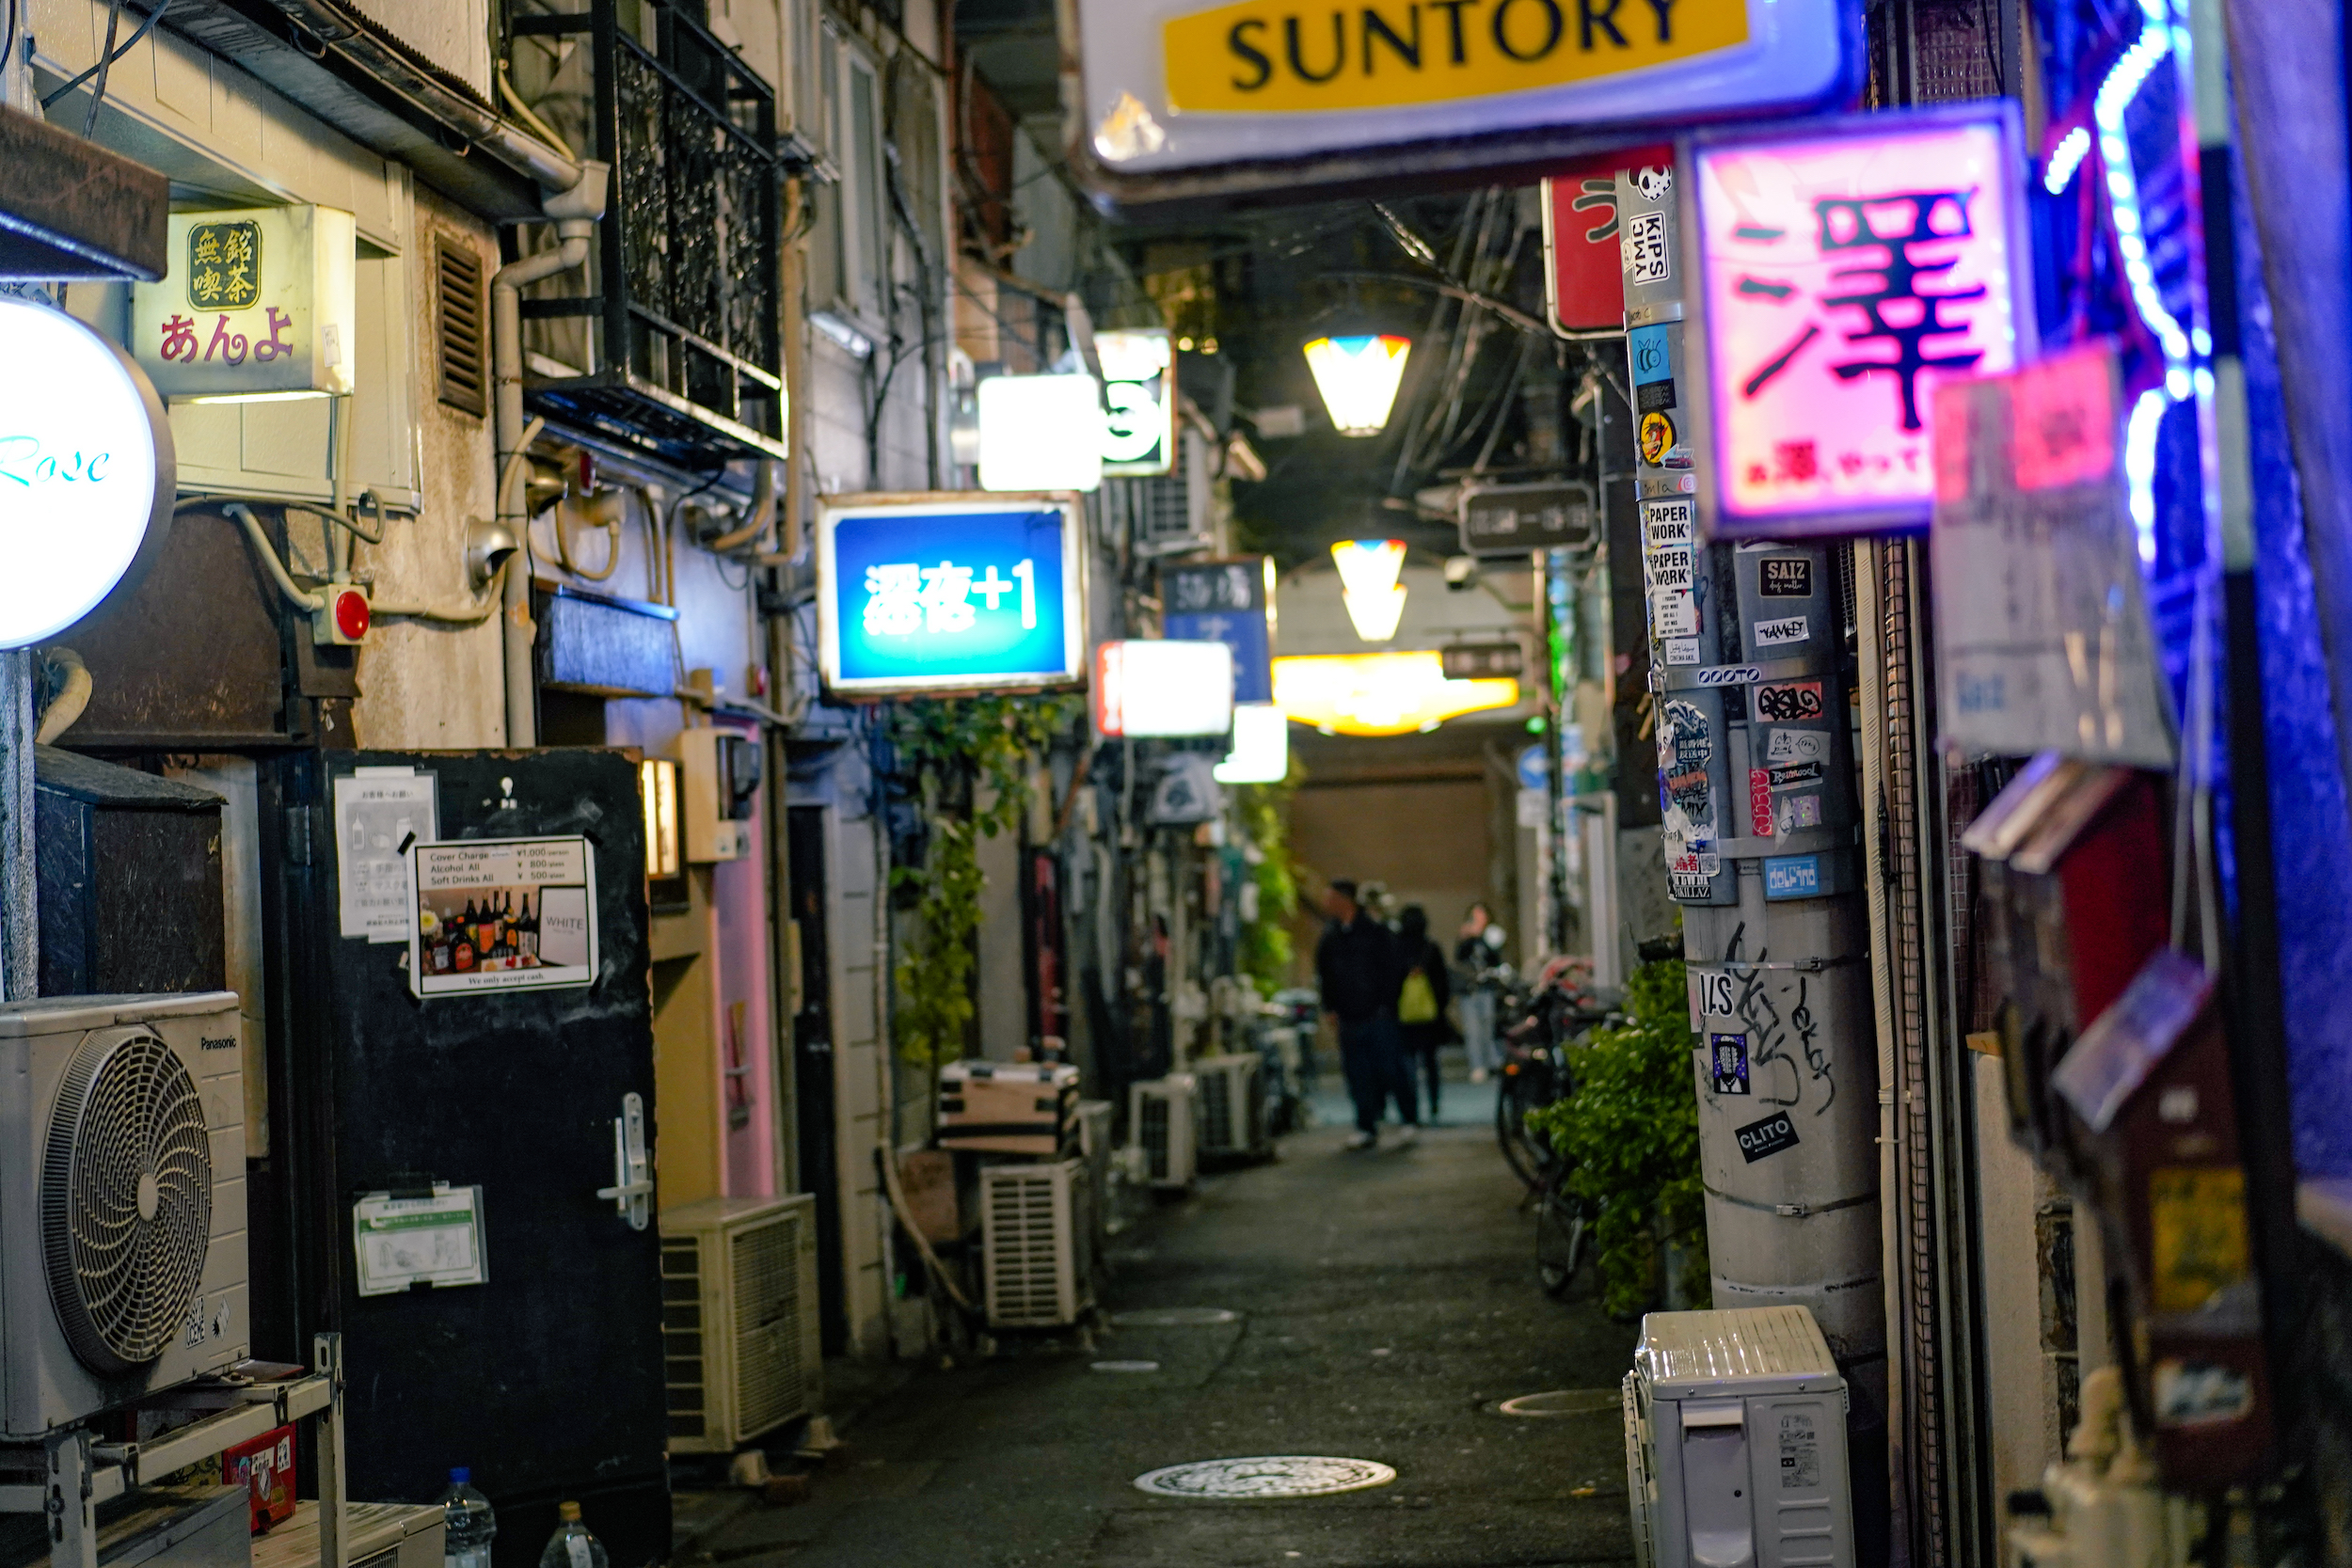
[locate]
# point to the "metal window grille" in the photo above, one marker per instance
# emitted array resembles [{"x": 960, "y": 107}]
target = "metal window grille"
[{"x": 688, "y": 360}]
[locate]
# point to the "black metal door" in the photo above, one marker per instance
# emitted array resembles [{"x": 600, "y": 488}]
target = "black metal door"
[
  {"x": 546, "y": 1379},
  {"x": 813, "y": 1067}
]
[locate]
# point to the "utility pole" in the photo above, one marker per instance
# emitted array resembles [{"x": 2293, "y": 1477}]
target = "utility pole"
[{"x": 1749, "y": 682}]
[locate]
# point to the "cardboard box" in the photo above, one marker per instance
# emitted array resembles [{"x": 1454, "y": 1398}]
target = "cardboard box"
[
  {"x": 265, "y": 1468},
  {"x": 1009, "y": 1107}
]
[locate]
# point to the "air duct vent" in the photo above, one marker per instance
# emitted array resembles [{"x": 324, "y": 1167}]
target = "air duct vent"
[{"x": 464, "y": 328}]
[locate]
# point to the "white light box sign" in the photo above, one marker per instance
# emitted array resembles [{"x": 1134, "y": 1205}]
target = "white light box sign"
[
  {"x": 260, "y": 303},
  {"x": 1040, "y": 433},
  {"x": 87, "y": 471},
  {"x": 1155, "y": 689}
]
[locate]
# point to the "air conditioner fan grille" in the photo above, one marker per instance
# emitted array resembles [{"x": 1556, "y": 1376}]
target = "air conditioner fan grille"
[{"x": 126, "y": 1198}]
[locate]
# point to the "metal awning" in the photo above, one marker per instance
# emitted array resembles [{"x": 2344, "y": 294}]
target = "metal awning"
[{"x": 72, "y": 211}]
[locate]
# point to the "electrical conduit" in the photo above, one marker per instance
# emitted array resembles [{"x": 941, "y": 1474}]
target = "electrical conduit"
[{"x": 575, "y": 213}]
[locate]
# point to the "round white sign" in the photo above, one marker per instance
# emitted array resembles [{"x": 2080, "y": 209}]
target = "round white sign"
[{"x": 87, "y": 470}]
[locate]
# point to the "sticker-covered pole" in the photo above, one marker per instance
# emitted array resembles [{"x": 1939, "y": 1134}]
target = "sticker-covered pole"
[{"x": 1749, "y": 684}]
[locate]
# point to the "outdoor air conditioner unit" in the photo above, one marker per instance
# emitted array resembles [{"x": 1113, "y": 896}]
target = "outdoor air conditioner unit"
[
  {"x": 1232, "y": 1106},
  {"x": 123, "y": 1224},
  {"x": 1735, "y": 1442},
  {"x": 1159, "y": 1123},
  {"x": 738, "y": 1318},
  {"x": 1037, "y": 1239}
]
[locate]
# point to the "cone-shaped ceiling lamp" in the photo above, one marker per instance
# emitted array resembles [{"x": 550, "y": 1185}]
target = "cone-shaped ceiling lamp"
[
  {"x": 1358, "y": 378},
  {"x": 1368, "y": 572}
]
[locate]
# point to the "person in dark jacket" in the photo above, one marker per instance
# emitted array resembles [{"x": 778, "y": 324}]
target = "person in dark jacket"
[
  {"x": 1355, "y": 965},
  {"x": 1424, "y": 990}
]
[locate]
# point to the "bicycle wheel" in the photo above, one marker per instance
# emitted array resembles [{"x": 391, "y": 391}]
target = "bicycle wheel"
[
  {"x": 1563, "y": 1235},
  {"x": 1519, "y": 1152}
]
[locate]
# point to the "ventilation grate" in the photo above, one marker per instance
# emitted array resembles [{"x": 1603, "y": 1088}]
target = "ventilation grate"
[
  {"x": 684, "y": 1362},
  {"x": 1153, "y": 1135},
  {"x": 767, "y": 1371},
  {"x": 1218, "y": 1132},
  {"x": 464, "y": 324},
  {"x": 1032, "y": 1273}
]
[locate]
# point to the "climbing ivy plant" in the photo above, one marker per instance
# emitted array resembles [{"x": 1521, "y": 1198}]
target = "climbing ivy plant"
[
  {"x": 1265, "y": 941},
  {"x": 1632, "y": 1130},
  {"x": 955, "y": 752}
]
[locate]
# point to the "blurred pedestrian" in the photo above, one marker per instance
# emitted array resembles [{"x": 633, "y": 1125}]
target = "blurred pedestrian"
[
  {"x": 1420, "y": 1000},
  {"x": 1473, "y": 955},
  {"x": 1356, "y": 966}
]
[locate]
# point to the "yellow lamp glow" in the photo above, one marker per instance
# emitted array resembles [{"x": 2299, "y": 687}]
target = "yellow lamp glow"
[
  {"x": 1381, "y": 694},
  {"x": 1358, "y": 378},
  {"x": 1368, "y": 572}
]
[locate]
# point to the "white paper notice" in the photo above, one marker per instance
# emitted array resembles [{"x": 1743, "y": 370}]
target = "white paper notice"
[
  {"x": 377, "y": 811},
  {"x": 502, "y": 914},
  {"x": 402, "y": 1242}
]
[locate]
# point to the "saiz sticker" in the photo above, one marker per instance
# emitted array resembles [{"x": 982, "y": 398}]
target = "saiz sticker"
[
  {"x": 1774, "y": 634},
  {"x": 1785, "y": 576}
]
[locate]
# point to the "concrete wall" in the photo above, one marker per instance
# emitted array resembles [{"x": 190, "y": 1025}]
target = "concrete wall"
[
  {"x": 452, "y": 34},
  {"x": 1427, "y": 840}
]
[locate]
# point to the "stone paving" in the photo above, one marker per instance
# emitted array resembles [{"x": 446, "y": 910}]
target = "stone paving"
[{"x": 1386, "y": 1303}]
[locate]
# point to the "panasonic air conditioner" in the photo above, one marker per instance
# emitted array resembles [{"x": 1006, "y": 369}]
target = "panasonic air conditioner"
[
  {"x": 1159, "y": 1123},
  {"x": 1232, "y": 1108},
  {"x": 738, "y": 1318},
  {"x": 1037, "y": 1243},
  {"x": 123, "y": 1224},
  {"x": 1735, "y": 1442}
]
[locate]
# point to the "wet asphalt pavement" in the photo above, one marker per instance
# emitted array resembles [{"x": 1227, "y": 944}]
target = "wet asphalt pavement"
[{"x": 1386, "y": 1303}]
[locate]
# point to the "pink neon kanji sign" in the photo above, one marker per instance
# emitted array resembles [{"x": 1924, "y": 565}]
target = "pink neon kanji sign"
[{"x": 1843, "y": 275}]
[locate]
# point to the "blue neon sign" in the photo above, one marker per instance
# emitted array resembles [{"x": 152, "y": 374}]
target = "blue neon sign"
[{"x": 949, "y": 592}]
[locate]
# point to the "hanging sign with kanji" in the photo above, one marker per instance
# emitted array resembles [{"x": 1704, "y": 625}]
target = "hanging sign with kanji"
[
  {"x": 949, "y": 592},
  {"x": 258, "y": 303},
  {"x": 1845, "y": 270}
]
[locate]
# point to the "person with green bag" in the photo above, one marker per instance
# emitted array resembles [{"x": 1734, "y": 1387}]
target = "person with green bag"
[{"x": 1421, "y": 1000}]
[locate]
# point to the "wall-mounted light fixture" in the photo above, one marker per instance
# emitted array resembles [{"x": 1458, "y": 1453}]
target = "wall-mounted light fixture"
[{"x": 657, "y": 780}]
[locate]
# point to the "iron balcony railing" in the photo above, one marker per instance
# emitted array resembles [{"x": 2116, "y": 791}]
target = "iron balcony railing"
[{"x": 683, "y": 344}]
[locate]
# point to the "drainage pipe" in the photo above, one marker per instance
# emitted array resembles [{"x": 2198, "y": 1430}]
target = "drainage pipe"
[{"x": 574, "y": 213}]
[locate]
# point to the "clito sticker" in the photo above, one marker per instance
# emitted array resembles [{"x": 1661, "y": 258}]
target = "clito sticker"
[
  {"x": 1728, "y": 1060},
  {"x": 1761, "y": 1140}
]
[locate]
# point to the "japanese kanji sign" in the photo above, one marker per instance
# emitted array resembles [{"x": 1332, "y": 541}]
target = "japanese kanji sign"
[
  {"x": 949, "y": 592},
  {"x": 260, "y": 303},
  {"x": 2042, "y": 632},
  {"x": 1228, "y": 602},
  {"x": 1844, "y": 273}
]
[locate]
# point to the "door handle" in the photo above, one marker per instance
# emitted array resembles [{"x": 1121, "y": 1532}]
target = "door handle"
[{"x": 633, "y": 1174}]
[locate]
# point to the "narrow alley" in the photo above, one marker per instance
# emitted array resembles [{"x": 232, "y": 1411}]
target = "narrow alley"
[{"x": 1382, "y": 1306}]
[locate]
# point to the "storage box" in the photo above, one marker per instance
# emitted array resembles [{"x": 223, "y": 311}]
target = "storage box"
[
  {"x": 265, "y": 1468},
  {"x": 1009, "y": 1107}
]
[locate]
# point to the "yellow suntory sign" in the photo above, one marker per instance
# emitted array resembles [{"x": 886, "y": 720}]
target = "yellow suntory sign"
[{"x": 1284, "y": 55}]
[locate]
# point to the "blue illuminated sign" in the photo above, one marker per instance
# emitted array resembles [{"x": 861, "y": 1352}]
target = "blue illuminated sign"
[{"x": 949, "y": 592}]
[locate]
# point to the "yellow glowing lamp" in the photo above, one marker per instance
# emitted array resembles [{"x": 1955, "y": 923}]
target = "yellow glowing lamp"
[
  {"x": 1358, "y": 378},
  {"x": 1381, "y": 694},
  {"x": 1368, "y": 572}
]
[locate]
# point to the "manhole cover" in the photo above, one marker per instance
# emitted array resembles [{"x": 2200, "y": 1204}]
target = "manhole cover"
[
  {"x": 1563, "y": 1402},
  {"x": 1124, "y": 1367},
  {"x": 1272, "y": 1476},
  {"x": 1175, "y": 1317}
]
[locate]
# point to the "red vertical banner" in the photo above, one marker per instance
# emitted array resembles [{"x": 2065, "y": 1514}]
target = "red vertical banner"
[{"x": 1583, "y": 286}]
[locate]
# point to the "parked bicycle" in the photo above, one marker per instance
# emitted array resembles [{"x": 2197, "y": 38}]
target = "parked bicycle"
[{"x": 1559, "y": 1007}]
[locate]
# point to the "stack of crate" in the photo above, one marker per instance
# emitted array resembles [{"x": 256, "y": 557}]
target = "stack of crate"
[{"x": 1037, "y": 1205}]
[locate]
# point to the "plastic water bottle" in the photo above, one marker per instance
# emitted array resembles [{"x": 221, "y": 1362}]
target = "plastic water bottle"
[
  {"x": 571, "y": 1545},
  {"x": 471, "y": 1525}
]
